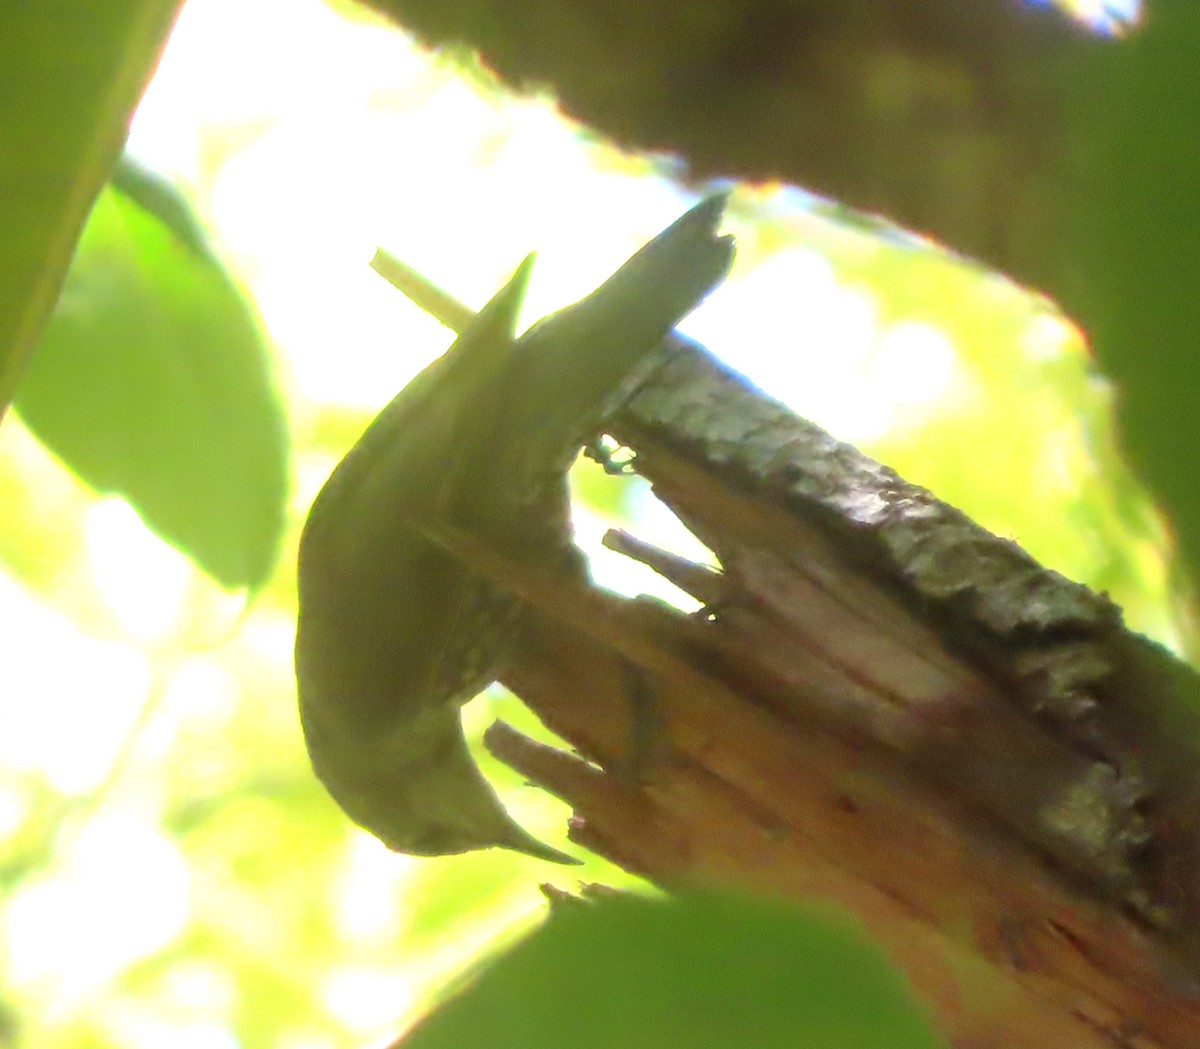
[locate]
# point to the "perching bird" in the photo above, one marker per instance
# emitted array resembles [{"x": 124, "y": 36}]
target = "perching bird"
[{"x": 394, "y": 632}]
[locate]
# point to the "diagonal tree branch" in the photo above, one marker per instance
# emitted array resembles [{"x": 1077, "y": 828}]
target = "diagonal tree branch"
[{"x": 886, "y": 706}]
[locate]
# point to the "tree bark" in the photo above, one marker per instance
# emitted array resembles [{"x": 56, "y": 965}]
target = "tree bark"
[{"x": 883, "y": 705}]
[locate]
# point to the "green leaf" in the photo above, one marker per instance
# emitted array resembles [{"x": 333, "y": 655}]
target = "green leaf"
[
  {"x": 152, "y": 381},
  {"x": 699, "y": 971},
  {"x": 71, "y": 76},
  {"x": 1137, "y": 131}
]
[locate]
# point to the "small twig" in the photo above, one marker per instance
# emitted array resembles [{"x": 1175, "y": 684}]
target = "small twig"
[
  {"x": 704, "y": 584},
  {"x": 421, "y": 290}
]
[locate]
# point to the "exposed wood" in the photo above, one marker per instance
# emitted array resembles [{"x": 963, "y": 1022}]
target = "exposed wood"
[{"x": 884, "y": 706}]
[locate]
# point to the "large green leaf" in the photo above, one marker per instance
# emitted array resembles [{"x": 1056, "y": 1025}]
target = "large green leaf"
[
  {"x": 152, "y": 381},
  {"x": 697, "y": 972},
  {"x": 70, "y": 76},
  {"x": 1139, "y": 249}
]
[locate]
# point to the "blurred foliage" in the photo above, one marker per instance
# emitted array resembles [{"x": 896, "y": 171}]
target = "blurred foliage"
[
  {"x": 695, "y": 971},
  {"x": 1139, "y": 219},
  {"x": 172, "y": 870},
  {"x": 72, "y": 76},
  {"x": 152, "y": 381}
]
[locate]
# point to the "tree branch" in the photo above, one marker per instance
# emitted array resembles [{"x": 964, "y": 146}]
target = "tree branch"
[{"x": 886, "y": 706}]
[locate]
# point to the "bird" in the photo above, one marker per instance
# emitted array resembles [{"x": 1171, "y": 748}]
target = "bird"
[{"x": 394, "y": 632}]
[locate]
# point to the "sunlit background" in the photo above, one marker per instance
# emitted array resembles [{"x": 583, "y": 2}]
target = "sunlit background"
[{"x": 173, "y": 875}]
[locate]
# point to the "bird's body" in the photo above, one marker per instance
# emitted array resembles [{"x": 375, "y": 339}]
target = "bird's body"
[{"x": 394, "y": 632}]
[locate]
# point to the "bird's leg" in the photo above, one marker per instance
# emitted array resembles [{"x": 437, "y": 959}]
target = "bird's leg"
[{"x": 600, "y": 451}]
